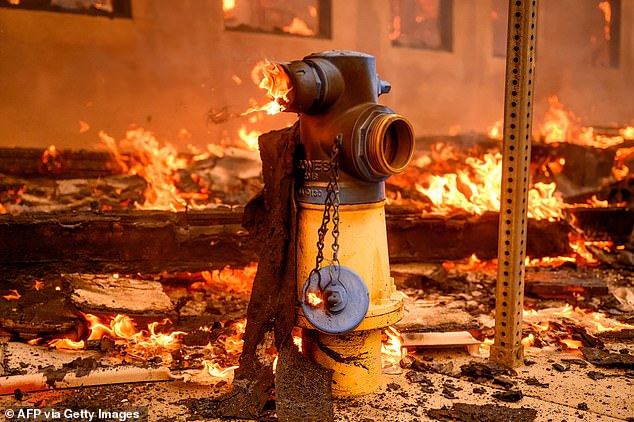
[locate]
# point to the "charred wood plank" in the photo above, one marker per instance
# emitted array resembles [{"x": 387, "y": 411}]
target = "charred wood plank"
[
  {"x": 126, "y": 241},
  {"x": 615, "y": 224},
  {"x": 38, "y": 312},
  {"x": 432, "y": 239},
  {"x": 130, "y": 241},
  {"x": 63, "y": 164},
  {"x": 563, "y": 283},
  {"x": 107, "y": 293}
]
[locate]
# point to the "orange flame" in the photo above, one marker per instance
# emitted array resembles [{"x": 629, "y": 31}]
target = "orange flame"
[
  {"x": 392, "y": 348},
  {"x": 250, "y": 139},
  {"x": 273, "y": 78},
  {"x": 592, "y": 321},
  {"x": 298, "y": 27},
  {"x": 558, "y": 127},
  {"x": 556, "y": 122},
  {"x": 228, "y": 5},
  {"x": 50, "y": 158},
  {"x": 606, "y": 9},
  {"x": 497, "y": 130},
  {"x": 238, "y": 281},
  {"x": 156, "y": 164},
  {"x": 14, "y": 295},
  {"x": 313, "y": 299},
  {"x": 477, "y": 190},
  {"x": 140, "y": 342},
  {"x": 66, "y": 344},
  {"x": 627, "y": 133},
  {"x": 571, "y": 344}
]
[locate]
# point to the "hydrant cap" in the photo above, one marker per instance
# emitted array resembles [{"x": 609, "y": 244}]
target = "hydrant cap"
[{"x": 346, "y": 303}]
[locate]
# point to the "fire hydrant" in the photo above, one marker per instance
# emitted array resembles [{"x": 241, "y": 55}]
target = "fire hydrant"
[{"x": 349, "y": 145}]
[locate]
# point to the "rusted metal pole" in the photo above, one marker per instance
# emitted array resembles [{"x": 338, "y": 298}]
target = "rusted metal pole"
[{"x": 518, "y": 107}]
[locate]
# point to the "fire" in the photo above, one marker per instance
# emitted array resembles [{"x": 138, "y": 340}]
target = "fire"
[
  {"x": 239, "y": 281},
  {"x": 606, "y": 9},
  {"x": 578, "y": 244},
  {"x": 66, "y": 344},
  {"x": 627, "y": 133},
  {"x": 228, "y": 5},
  {"x": 298, "y": 27},
  {"x": 313, "y": 299},
  {"x": 396, "y": 28},
  {"x": 497, "y": 130},
  {"x": 50, "y": 158},
  {"x": 250, "y": 139},
  {"x": 214, "y": 370},
  {"x": 473, "y": 264},
  {"x": 156, "y": 164},
  {"x": 392, "y": 348},
  {"x": 556, "y": 122},
  {"x": 275, "y": 81},
  {"x": 592, "y": 321},
  {"x": 14, "y": 295},
  {"x": 476, "y": 190},
  {"x": 559, "y": 127},
  {"x": 141, "y": 343},
  {"x": 571, "y": 344}
]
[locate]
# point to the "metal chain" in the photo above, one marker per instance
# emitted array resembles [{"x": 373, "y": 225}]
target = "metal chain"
[{"x": 331, "y": 203}]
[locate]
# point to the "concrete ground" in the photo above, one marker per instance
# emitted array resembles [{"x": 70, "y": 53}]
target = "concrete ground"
[{"x": 405, "y": 394}]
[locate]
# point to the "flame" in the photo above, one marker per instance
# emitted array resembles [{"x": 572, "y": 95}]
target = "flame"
[
  {"x": 627, "y": 133},
  {"x": 156, "y": 164},
  {"x": 14, "y": 295},
  {"x": 392, "y": 348},
  {"x": 214, "y": 370},
  {"x": 497, "y": 130},
  {"x": 50, "y": 158},
  {"x": 273, "y": 78},
  {"x": 83, "y": 126},
  {"x": 66, "y": 344},
  {"x": 298, "y": 27},
  {"x": 142, "y": 343},
  {"x": 578, "y": 244},
  {"x": 228, "y": 5},
  {"x": 528, "y": 341},
  {"x": 571, "y": 344},
  {"x": 559, "y": 127},
  {"x": 477, "y": 190},
  {"x": 396, "y": 28},
  {"x": 313, "y": 299},
  {"x": 250, "y": 139},
  {"x": 606, "y": 9},
  {"x": 239, "y": 281},
  {"x": 556, "y": 122},
  {"x": 592, "y": 321}
]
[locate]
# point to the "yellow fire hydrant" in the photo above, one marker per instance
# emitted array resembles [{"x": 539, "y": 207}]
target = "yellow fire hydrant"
[{"x": 349, "y": 145}]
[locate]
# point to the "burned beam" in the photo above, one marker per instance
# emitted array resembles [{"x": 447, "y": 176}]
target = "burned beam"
[
  {"x": 125, "y": 241},
  {"x": 54, "y": 164},
  {"x": 429, "y": 239},
  {"x": 154, "y": 241},
  {"x": 615, "y": 224},
  {"x": 562, "y": 283}
]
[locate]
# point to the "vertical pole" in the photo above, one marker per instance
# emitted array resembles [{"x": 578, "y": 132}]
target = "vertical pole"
[{"x": 518, "y": 106}]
